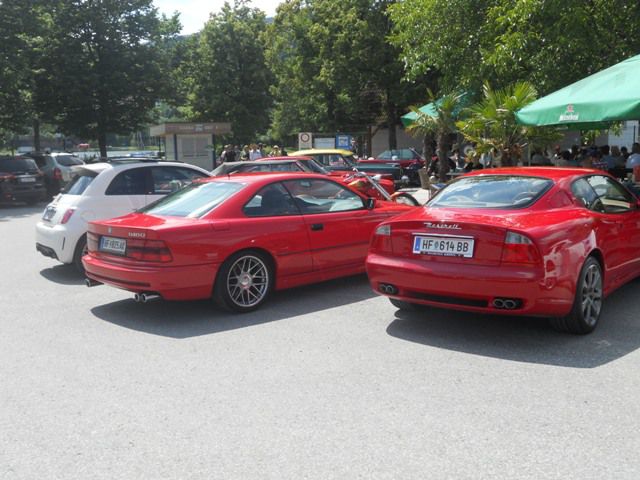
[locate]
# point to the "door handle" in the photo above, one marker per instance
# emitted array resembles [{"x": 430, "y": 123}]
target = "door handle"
[{"x": 317, "y": 226}]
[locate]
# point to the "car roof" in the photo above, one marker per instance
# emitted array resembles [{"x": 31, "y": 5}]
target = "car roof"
[
  {"x": 312, "y": 151},
  {"x": 553, "y": 173},
  {"x": 258, "y": 178},
  {"x": 279, "y": 159},
  {"x": 102, "y": 166}
]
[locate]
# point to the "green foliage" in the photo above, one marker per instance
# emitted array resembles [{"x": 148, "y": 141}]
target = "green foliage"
[
  {"x": 548, "y": 43},
  {"x": 334, "y": 68},
  {"x": 227, "y": 78},
  {"x": 101, "y": 68},
  {"x": 19, "y": 39},
  {"x": 491, "y": 123}
]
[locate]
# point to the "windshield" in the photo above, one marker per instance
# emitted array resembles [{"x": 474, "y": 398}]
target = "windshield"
[
  {"x": 17, "y": 165},
  {"x": 315, "y": 167},
  {"x": 68, "y": 160},
  {"x": 491, "y": 191},
  {"x": 194, "y": 200}
]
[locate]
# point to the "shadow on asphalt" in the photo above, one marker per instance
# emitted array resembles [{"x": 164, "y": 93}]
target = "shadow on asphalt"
[
  {"x": 195, "y": 318},
  {"x": 9, "y": 211},
  {"x": 529, "y": 340},
  {"x": 63, "y": 275}
]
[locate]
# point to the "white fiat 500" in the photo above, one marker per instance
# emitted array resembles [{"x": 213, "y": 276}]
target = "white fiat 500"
[{"x": 101, "y": 191}]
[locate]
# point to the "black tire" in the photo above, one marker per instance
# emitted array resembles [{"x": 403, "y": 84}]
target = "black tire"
[
  {"x": 406, "y": 199},
  {"x": 587, "y": 305},
  {"x": 244, "y": 281},
  {"x": 402, "y": 305},
  {"x": 81, "y": 249}
]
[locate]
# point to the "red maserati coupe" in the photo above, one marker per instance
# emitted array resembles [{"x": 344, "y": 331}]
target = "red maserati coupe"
[
  {"x": 551, "y": 242},
  {"x": 236, "y": 239}
]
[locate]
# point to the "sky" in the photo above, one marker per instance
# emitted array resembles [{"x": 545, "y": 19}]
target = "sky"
[{"x": 194, "y": 13}]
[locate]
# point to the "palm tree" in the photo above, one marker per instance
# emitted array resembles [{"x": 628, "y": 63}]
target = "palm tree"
[
  {"x": 439, "y": 126},
  {"x": 491, "y": 123}
]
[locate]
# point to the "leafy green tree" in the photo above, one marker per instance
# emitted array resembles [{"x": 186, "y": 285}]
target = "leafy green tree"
[
  {"x": 102, "y": 68},
  {"x": 227, "y": 75},
  {"x": 553, "y": 44},
  {"x": 442, "y": 35},
  {"x": 19, "y": 41},
  {"x": 439, "y": 126},
  {"x": 334, "y": 68},
  {"x": 491, "y": 123}
]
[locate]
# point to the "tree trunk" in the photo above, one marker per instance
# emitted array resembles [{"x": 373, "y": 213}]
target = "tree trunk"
[
  {"x": 36, "y": 134},
  {"x": 102, "y": 143},
  {"x": 443, "y": 159}
]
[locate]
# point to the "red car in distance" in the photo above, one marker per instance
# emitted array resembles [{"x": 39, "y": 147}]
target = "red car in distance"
[
  {"x": 550, "y": 242},
  {"x": 236, "y": 239},
  {"x": 343, "y": 176}
]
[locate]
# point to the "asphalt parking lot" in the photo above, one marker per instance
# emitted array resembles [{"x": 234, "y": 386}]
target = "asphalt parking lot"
[{"x": 326, "y": 381}]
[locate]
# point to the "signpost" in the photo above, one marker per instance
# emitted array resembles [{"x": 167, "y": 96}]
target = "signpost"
[{"x": 305, "y": 140}]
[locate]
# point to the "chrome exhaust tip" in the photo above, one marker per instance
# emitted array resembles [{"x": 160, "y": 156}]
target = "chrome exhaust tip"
[
  {"x": 144, "y": 297},
  {"x": 91, "y": 283},
  {"x": 388, "y": 289},
  {"x": 506, "y": 303}
]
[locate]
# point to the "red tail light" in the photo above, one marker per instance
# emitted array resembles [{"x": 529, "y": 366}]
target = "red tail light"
[
  {"x": 67, "y": 215},
  {"x": 148, "y": 250},
  {"x": 57, "y": 174},
  {"x": 381, "y": 239},
  {"x": 519, "y": 249},
  {"x": 8, "y": 177}
]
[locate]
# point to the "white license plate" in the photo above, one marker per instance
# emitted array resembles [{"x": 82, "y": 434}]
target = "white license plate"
[
  {"x": 443, "y": 245},
  {"x": 27, "y": 179},
  {"x": 113, "y": 245},
  {"x": 48, "y": 214}
]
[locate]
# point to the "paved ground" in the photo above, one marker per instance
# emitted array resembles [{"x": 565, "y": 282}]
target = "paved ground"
[{"x": 328, "y": 381}]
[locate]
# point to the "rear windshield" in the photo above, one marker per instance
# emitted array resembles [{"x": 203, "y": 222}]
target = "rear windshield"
[
  {"x": 491, "y": 191},
  {"x": 68, "y": 160},
  {"x": 79, "y": 183},
  {"x": 18, "y": 165},
  {"x": 194, "y": 200}
]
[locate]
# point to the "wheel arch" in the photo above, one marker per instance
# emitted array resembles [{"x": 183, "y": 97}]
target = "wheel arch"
[{"x": 269, "y": 256}]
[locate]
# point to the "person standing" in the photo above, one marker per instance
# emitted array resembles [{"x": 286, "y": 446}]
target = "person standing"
[
  {"x": 228, "y": 154},
  {"x": 634, "y": 158},
  {"x": 244, "y": 156},
  {"x": 254, "y": 153}
]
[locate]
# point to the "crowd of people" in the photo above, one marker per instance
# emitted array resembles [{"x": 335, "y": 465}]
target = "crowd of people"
[{"x": 233, "y": 153}]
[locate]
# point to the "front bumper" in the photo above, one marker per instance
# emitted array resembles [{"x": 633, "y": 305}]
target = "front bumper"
[
  {"x": 470, "y": 288},
  {"x": 191, "y": 282}
]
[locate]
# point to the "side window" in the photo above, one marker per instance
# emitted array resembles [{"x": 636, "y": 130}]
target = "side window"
[
  {"x": 129, "y": 182},
  {"x": 169, "y": 179},
  {"x": 613, "y": 197},
  {"x": 337, "y": 161},
  {"x": 322, "y": 196},
  {"x": 586, "y": 194},
  {"x": 272, "y": 200}
]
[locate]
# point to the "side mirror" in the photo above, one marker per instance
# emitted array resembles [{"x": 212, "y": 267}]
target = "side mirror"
[{"x": 370, "y": 203}]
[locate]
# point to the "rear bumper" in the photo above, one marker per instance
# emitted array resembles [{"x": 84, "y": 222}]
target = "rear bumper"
[
  {"x": 191, "y": 282},
  {"x": 471, "y": 288},
  {"x": 56, "y": 239},
  {"x": 22, "y": 194}
]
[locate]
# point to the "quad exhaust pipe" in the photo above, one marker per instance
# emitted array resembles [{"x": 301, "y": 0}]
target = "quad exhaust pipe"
[
  {"x": 506, "y": 303},
  {"x": 144, "y": 297},
  {"x": 388, "y": 289}
]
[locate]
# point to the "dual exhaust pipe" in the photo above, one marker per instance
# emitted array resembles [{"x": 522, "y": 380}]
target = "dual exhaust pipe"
[
  {"x": 506, "y": 303},
  {"x": 388, "y": 289},
  {"x": 144, "y": 297}
]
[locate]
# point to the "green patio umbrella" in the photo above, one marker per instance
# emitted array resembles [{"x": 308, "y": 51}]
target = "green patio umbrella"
[
  {"x": 594, "y": 102},
  {"x": 430, "y": 109}
]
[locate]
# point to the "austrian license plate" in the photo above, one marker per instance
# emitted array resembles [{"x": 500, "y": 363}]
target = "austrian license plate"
[
  {"x": 443, "y": 245},
  {"x": 113, "y": 245},
  {"x": 48, "y": 214},
  {"x": 27, "y": 179}
]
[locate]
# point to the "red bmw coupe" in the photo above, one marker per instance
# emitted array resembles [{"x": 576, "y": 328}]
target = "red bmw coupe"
[
  {"x": 551, "y": 242},
  {"x": 236, "y": 239}
]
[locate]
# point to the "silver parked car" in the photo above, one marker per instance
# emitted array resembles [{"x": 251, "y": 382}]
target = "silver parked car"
[{"x": 56, "y": 167}]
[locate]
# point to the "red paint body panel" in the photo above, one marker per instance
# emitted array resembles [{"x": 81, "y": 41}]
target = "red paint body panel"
[
  {"x": 199, "y": 246},
  {"x": 563, "y": 231}
]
